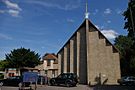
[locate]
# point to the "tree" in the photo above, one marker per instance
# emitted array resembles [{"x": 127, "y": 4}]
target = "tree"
[
  {"x": 129, "y": 15},
  {"x": 22, "y": 58},
  {"x": 3, "y": 64},
  {"x": 124, "y": 44}
]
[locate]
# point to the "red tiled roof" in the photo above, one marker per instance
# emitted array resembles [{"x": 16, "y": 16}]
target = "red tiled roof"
[{"x": 49, "y": 56}]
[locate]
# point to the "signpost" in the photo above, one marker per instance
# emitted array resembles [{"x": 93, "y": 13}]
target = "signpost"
[{"x": 31, "y": 77}]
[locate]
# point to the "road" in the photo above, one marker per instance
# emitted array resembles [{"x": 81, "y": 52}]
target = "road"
[{"x": 79, "y": 87}]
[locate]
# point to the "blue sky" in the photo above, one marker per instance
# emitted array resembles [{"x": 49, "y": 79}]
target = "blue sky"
[{"x": 45, "y": 25}]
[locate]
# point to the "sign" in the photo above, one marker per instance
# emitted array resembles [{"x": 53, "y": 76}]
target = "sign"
[
  {"x": 30, "y": 77},
  {"x": 11, "y": 68}
]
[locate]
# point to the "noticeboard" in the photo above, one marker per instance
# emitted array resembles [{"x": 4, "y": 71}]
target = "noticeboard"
[{"x": 30, "y": 77}]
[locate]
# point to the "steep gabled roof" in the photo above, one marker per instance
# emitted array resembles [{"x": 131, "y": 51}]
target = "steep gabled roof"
[{"x": 95, "y": 29}]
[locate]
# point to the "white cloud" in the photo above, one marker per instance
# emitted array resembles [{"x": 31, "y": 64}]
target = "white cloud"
[
  {"x": 70, "y": 20},
  {"x": 14, "y": 13},
  {"x": 4, "y": 36},
  {"x": 12, "y": 5},
  {"x": 107, "y": 11},
  {"x": 108, "y": 21},
  {"x": 68, "y": 6},
  {"x": 13, "y": 9},
  {"x": 110, "y": 34}
]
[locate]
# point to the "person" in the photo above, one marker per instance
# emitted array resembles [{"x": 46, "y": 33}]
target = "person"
[{"x": 46, "y": 80}]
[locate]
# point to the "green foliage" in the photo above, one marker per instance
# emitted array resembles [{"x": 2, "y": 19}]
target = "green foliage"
[
  {"x": 124, "y": 44},
  {"x": 3, "y": 64},
  {"x": 129, "y": 15},
  {"x": 22, "y": 58},
  {"x": 1, "y": 76}
]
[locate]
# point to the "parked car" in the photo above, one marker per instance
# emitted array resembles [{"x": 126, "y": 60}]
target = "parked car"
[
  {"x": 13, "y": 81},
  {"x": 127, "y": 80},
  {"x": 68, "y": 79}
]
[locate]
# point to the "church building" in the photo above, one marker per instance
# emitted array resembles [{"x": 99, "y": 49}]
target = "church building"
[{"x": 90, "y": 55}]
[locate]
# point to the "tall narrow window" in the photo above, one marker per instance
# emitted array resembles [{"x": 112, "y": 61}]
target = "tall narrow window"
[
  {"x": 48, "y": 62},
  {"x": 53, "y": 73},
  {"x": 45, "y": 72}
]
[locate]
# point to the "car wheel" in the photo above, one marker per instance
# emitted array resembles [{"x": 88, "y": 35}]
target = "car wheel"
[
  {"x": 52, "y": 82},
  {"x": 20, "y": 85},
  {"x": 74, "y": 84},
  {"x": 68, "y": 83},
  {"x": 1, "y": 83}
]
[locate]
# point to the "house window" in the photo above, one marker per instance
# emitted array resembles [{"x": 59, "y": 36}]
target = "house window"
[
  {"x": 45, "y": 72},
  {"x": 53, "y": 73},
  {"x": 11, "y": 74},
  {"x": 48, "y": 62}
]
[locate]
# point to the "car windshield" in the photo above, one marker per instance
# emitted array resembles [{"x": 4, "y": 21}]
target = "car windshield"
[
  {"x": 132, "y": 78},
  {"x": 128, "y": 77}
]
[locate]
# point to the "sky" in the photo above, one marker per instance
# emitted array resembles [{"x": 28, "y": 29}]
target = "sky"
[{"x": 45, "y": 25}]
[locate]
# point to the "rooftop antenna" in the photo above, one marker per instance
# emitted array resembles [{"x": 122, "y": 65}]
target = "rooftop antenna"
[{"x": 86, "y": 12}]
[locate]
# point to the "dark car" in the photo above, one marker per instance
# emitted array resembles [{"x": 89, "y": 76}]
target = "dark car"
[
  {"x": 68, "y": 79},
  {"x": 13, "y": 81},
  {"x": 127, "y": 80}
]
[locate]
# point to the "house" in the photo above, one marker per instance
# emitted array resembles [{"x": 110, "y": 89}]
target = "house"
[
  {"x": 49, "y": 66},
  {"x": 11, "y": 72}
]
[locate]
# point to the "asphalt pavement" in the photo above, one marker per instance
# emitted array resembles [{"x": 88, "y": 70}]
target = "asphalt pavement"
[{"x": 78, "y": 87}]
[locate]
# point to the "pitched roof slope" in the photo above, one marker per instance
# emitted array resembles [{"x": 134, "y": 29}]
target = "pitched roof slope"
[
  {"x": 49, "y": 56},
  {"x": 95, "y": 29}
]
